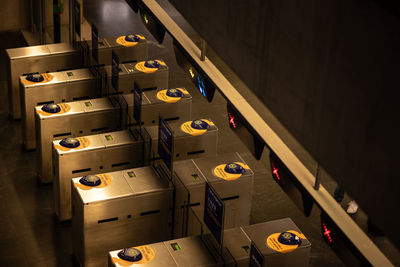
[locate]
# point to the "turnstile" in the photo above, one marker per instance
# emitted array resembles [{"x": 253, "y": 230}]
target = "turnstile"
[
  {"x": 118, "y": 209},
  {"x": 71, "y": 85},
  {"x": 106, "y": 152},
  {"x": 86, "y": 117},
  {"x": 86, "y": 155},
  {"x": 203, "y": 143},
  {"x": 185, "y": 252},
  {"x": 277, "y": 243},
  {"x": 53, "y": 57},
  {"x": 228, "y": 174}
]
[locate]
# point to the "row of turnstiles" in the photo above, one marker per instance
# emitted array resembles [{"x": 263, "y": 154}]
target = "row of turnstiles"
[{"x": 107, "y": 173}]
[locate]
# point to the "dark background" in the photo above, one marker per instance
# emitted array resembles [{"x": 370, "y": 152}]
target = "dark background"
[{"x": 329, "y": 70}]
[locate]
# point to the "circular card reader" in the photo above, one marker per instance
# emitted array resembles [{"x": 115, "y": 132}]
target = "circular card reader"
[
  {"x": 130, "y": 254},
  {"x": 200, "y": 125},
  {"x": 174, "y": 93},
  {"x": 35, "y": 78},
  {"x": 51, "y": 108},
  {"x": 132, "y": 38},
  {"x": 234, "y": 168},
  {"x": 288, "y": 238},
  {"x": 70, "y": 142},
  {"x": 90, "y": 180},
  {"x": 152, "y": 64}
]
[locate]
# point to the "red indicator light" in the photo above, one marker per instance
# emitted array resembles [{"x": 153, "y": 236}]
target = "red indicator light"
[
  {"x": 231, "y": 120},
  {"x": 327, "y": 232},
  {"x": 275, "y": 171}
]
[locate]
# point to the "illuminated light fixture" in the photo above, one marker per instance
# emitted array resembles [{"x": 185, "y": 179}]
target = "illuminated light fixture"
[
  {"x": 196, "y": 74},
  {"x": 290, "y": 185},
  {"x": 244, "y": 131},
  {"x": 327, "y": 232},
  {"x": 152, "y": 24}
]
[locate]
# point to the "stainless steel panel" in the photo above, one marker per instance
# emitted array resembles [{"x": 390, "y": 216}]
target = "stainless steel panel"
[
  {"x": 192, "y": 252},
  {"x": 84, "y": 118},
  {"x": 238, "y": 193},
  {"x": 259, "y": 233},
  {"x": 77, "y": 84},
  {"x": 116, "y": 216},
  {"x": 157, "y": 79},
  {"x": 34, "y": 59},
  {"x": 61, "y": 48},
  {"x": 188, "y": 146},
  {"x": 92, "y": 159},
  {"x": 135, "y": 53},
  {"x": 179, "y": 111},
  {"x": 238, "y": 244},
  {"x": 162, "y": 257}
]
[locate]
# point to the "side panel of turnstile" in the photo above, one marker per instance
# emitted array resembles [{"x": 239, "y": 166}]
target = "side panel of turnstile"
[
  {"x": 133, "y": 209},
  {"x": 78, "y": 84},
  {"x": 106, "y": 152},
  {"x": 187, "y": 146},
  {"x": 40, "y": 58},
  {"x": 83, "y": 118}
]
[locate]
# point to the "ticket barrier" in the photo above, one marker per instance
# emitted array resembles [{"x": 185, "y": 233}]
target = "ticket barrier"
[
  {"x": 72, "y": 85},
  {"x": 109, "y": 152},
  {"x": 80, "y": 118},
  {"x": 274, "y": 243},
  {"x": 117, "y": 209},
  {"x": 53, "y": 57}
]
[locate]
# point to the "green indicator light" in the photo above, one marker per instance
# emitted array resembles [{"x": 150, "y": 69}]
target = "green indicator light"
[
  {"x": 109, "y": 138},
  {"x": 131, "y": 174},
  {"x": 195, "y": 176},
  {"x": 246, "y": 249},
  {"x": 175, "y": 246},
  {"x": 70, "y": 74},
  {"x": 145, "y": 19},
  {"x": 88, "y": 104},
  {"x": 191, "y": 72}
]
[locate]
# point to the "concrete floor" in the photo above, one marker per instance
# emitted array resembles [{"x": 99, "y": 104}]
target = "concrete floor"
[{"x": 29, "y": 234}]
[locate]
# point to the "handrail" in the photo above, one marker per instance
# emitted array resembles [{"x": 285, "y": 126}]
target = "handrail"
[{"x": 322, "y": 197}]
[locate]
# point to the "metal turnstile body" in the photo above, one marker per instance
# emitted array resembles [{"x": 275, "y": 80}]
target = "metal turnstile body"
[
  {"x": 191, "y": 251},
  {"x": 188, "y": 144},
  {"x": 39, "y": 58},
  {"x": 265, "y": 237},
  {"x": 75, "y": 119},
  {"x": 235, "y": 190},
  {"x": 86, "y": 117},
  {"x": 53, "y": 57},
  {"x": 97, "y": 153},
  {"x": 74, "y": 85},
  {"x": 61, "y": 87},
  {"x": 183, "y": 252},
  {"x": 129, "y": 207}
]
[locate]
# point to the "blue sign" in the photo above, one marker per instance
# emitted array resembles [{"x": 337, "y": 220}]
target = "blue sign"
[
  {"x": 114, "y": 71},
  {"x": 137, "y": 105},
  {"x": 256, "y": 258},
  {"x": 95, "y": 43},
  {"x": 214, "y": 213},
  {"x": 165, "y": 143}
]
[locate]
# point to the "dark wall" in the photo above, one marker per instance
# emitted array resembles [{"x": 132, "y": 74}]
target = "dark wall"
[{"x": 330, "y": 71}]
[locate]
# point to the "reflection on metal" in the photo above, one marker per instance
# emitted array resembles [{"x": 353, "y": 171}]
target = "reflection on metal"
[
  {"x": 305, "y": 177},
  {"x": 203, "y": 50}
]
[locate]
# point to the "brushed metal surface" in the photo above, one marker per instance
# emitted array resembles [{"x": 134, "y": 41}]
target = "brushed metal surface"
[
  {"x": 92, "y": 159},
  {"x": 187, "y": 146},
  {"x": 85, "y": 117},
  {"x": 258, "y": 233},
  {"x": 162, "y": 258},
  {"x": 69, "y": 86},
  {"x": 118, "y": 216}
]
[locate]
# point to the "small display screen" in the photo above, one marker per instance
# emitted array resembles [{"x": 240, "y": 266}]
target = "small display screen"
[
  {"x": 175, "y": 246},
  {"x": 195, "y": 177},
  {"x": 70, "y": 74},
  {"x": 109, "y": 138},
  {"x": 88, "y": 104},
  {"x": 131, "y": 174}
]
